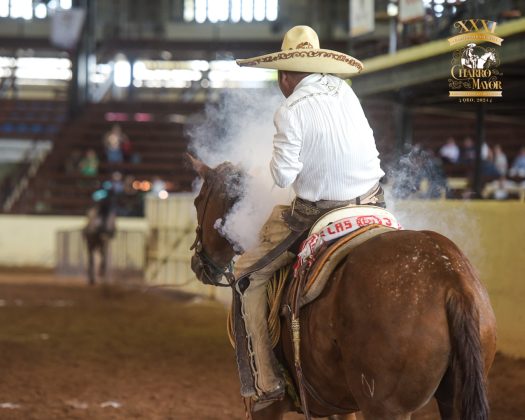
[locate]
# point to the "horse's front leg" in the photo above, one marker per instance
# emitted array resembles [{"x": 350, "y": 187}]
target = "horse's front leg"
[
  {"x": 343, "y": 417},
  {"x": 91, "y": 265}
]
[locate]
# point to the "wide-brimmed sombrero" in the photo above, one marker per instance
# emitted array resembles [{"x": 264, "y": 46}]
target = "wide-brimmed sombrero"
[{"x": 300, "y": 52}]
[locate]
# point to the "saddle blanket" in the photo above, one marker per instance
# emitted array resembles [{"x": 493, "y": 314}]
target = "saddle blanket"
[{"x": 338, "y": 223}]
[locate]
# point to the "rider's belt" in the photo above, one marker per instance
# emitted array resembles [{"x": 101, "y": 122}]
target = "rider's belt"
[
  {"x": 372, "y": 196},
  {"x": 302, "y": 214}
]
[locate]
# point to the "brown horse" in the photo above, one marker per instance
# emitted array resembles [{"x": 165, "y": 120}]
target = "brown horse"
[
  {"x": 403, "y": 319},
  {"x": 97, "y": 233}
]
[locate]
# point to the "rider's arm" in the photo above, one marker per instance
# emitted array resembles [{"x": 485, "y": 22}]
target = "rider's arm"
[{"x": 285, "y": 164}]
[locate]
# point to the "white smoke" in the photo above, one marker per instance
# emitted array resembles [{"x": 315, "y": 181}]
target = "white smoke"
[
  {"x": 426, "y": 210},
  {"x": 240, "y": 129}
]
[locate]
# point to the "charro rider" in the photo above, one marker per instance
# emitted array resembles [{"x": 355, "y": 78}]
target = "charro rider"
[
  {"x": 323, "y": 147},
  {"x": 471, "y": 60},
  {"x": 101, "y": 216}
]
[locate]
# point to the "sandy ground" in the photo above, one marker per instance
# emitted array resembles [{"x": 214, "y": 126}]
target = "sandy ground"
[{"x": 73, "y": 352}]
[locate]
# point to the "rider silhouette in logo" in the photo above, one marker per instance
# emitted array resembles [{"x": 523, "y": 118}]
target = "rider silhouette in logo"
[{"x": 469, "y": 58}]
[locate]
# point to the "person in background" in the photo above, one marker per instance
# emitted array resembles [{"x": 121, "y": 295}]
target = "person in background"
[
  {"x": 89, "y": 164},
  {"x": 101, "y": 215},
  {"x": 486, "y": 152},
  {"x": 117, "y": 184},
  {"x": 468, "y": 150},
  {"x": 518, "y": 166},
  {"x": 500, "y": 160},
  {"x": 127, "y": 149},
  {"x": 449, "y": 152},
  {"x": 113, "y": 141}
]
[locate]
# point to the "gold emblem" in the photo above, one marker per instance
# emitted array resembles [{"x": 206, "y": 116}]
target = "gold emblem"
[{"x": 474, "y": 73}]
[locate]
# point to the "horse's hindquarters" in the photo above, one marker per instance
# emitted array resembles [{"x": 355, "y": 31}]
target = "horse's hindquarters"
[{"x": 383, "y": 320}]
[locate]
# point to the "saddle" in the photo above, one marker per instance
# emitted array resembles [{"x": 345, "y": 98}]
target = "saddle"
[
  {"x": 331, "y": 238},
  {"x": 333, "y": 235}
]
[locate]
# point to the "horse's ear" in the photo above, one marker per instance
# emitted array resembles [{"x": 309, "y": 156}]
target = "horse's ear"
[{"x": 198, "y": 166}]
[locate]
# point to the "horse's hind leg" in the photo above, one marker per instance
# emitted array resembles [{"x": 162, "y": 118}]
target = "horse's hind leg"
[
  {"x": 343, "y": 417},
  {"x": 103, "y": 259},
  {"x": 445, "y": 396}
]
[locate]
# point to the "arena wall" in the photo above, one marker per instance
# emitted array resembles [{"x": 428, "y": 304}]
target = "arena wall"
[{"x": 31, "y": 241}]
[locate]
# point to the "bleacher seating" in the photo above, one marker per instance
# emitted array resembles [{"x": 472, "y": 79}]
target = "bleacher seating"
[
  {"x": 430, "y": 129},
  {"x": 156, "y": 131},
  {"x": 31, "y": 119},
  {"x": 156, "y": 139}
]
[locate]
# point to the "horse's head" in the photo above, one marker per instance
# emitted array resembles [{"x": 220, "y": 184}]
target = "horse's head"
[
  {"x": 221, "y": 188},
  {"x": 492, "y": 58}
]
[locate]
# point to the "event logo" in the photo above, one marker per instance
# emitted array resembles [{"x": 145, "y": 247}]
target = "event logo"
[{"x": 475, "y": 76}]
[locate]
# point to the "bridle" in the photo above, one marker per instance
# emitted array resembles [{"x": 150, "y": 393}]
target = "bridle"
[{"x": 211, "y": 269}]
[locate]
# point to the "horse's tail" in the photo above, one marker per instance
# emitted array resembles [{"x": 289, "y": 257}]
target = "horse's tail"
[{"x": 467, "y": 357}]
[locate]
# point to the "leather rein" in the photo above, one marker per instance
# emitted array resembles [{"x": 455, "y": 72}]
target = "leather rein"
[{"x": 211, "y": 269}]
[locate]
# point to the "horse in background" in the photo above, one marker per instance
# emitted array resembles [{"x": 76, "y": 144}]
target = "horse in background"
[
  {"x": 98, "y": 232},
  {"x": 402, "y": 319}
]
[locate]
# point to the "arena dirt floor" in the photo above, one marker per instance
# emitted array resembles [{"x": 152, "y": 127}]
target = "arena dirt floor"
[{"x": 69, "y": 351}]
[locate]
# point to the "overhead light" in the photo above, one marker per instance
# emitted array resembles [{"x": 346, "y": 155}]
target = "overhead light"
[
  {"x": 122, "y": 75},
  {"x": 392, "y": 10},
  {"x": 41, "y": 11},
  {"x": 66, "y": 4}
]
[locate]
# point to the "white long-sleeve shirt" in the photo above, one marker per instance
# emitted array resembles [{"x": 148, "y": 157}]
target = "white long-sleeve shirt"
[{"x": 324, "y": 145}]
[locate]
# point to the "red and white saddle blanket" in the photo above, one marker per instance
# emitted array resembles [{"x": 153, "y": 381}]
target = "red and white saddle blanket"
[{"x": 337, "y": 224}]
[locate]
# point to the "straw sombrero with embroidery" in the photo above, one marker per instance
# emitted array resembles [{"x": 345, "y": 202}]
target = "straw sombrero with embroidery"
[{"x": 300, "y": 52}]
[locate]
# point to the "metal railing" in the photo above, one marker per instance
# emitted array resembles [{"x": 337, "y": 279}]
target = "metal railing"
[
  {"x": 126, "y": 253},
  {"x": 36, "y": 157}
]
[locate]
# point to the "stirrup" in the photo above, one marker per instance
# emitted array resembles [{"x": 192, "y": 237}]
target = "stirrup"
[{"x": 268, "y": 398}]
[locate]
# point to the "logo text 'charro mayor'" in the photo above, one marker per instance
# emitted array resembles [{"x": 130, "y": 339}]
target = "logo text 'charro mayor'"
[{"x": 474, "y": 75}]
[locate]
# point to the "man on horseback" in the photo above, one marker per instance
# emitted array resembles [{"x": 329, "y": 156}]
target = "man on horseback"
[
  {"x": 100, "y": 228},
  {"x": 325, "y": 149},
  {"x": 101, "y": 216}
]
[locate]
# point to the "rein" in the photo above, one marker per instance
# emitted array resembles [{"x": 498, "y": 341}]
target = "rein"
[{"x": 211, "y": 269}]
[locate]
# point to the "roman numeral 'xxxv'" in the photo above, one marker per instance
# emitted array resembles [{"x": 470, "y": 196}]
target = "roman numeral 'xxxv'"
[{"x": 474, "y": 25}]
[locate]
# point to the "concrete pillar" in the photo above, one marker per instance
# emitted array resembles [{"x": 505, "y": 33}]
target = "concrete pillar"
[{"x": 480, "y": 139}]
